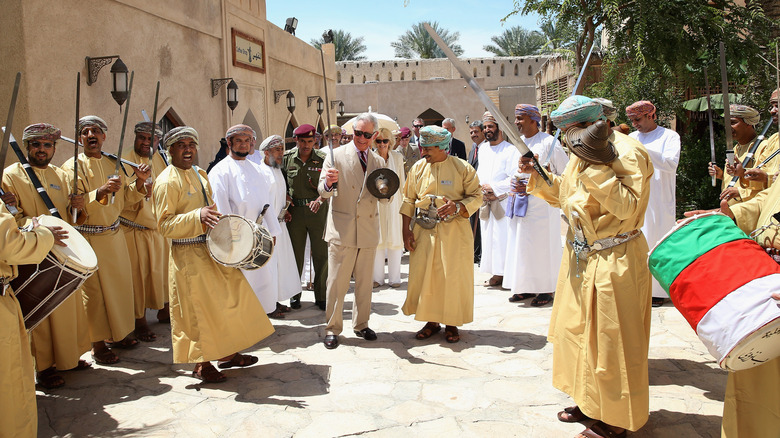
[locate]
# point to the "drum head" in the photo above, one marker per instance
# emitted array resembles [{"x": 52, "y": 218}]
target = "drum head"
[
  {"x": 231, "y": 240},
  {"x": 761, "y": 346},
  {"x": 79, "y": 254}
]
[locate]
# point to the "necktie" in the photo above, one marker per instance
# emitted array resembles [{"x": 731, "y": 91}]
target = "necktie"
[{"x": 362, "y": 155}]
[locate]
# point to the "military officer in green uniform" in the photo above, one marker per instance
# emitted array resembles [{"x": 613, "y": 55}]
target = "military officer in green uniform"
[{"x": 302, "y": 166}]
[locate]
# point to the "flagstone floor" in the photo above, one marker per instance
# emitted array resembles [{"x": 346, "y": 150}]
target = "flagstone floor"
[{"x": 495, "y": 382}]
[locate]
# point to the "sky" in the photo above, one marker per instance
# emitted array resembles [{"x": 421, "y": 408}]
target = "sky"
[{"x": 381, "y": 22}]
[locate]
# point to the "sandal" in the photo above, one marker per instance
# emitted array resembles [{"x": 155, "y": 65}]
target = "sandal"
[
  {"x": 146, "y": 335},
  {"x": 164, "y": 315},
  {"x": 451, "y": 334},
  {"x": 281, "y": 307},
  {"x": 208, "y": 374},
  {"x": 541, "y": 300},
  {"x": 238, "y": 360},
  {"x": 516, "y": 298},
  {"x": 495, "y": 280},
  {"x": 600, "y": 429},
  {"x": 49, "y": 379},
  {"x": 427, "y": 331},
  {"x": 276, "y": 314},
  {"x": 83, "y": 365},
  {"x": 572, "y": 414},
  {"x": 126, "y": 343},
  {"x": 105, "y": 357}
]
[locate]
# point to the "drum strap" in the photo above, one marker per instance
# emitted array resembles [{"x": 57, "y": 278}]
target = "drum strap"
[
  {"x": 34, "y": 179},
  {"x": 202, "y": 188}
]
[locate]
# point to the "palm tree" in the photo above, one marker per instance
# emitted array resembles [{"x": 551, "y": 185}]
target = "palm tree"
[
  {"x": 347, "y": 48},
  {"x": 417, "y": 43},
  {"x": 516, "y": 41},
  {"x": 560, "y": 36}
]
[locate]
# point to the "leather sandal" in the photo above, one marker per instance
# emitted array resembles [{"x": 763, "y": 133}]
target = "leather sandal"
[
  {"x": 572, "y": 414},
  {"x": 238, "y": 360},
  {"x": 451, "y": 334},
  {"x": 208, "y": 374},
  {"x": 516, "y": 298},
  {"x": 49, "y": 379},
  {"x": 428, "y": 330},
  {"x": 600, "y": 429}
]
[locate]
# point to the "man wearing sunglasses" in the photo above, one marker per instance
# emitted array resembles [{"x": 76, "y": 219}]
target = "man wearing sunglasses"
[
  {"x": 416, "y": 125},
  {"x": 352, "y": 230}
]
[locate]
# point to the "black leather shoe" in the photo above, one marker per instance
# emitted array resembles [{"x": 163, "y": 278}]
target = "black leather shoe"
[
  {"x": 331, "y": 342},
  {"x": 320, "y": 304},
  {"x": 295, "y": 303},
  {"x": 367, "y": 334}
]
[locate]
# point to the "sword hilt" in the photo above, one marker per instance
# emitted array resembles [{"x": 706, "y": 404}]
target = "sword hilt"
[{"x": 11, "y": 209}]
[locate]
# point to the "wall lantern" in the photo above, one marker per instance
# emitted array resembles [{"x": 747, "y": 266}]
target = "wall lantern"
[
  {"x": 118, "y": 75},
  {"x": 232, "y": 91}
]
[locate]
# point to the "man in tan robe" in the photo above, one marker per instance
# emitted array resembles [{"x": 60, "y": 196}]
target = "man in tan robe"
[
  {"x": 214, "y": 312},
  {"x": 600, "y": 325},
  {"x": 147, "y": 247},
  {"x": 59, "y": 340},
  {"x": 18, "y": 411},
  {"x": 108, "y": 294},
  {"x": 441, "y": 279}
]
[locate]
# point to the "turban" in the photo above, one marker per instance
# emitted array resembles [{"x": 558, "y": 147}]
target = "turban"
[
  {"x": 92, "y": 121},
  {"x": 746, "y": 113},
  {"x": 271, "y": 142},
  {"x": 305, "y": 130},
  {"x": 531, "y": 111},
  {"x": 147, "y": 128},
  {"x": 333, "y": 129},
  {"x": 435, "y": 136},
  {"x": 610, "y": 112},
  {"x": 43, "y": 131},
  {"x": 179, "y": 133},
  {"x": 576, "y": 109},
  {"x": 241, "y": 129},
  {"x": 487, "y": 117},
  {"x": 639, "y": 109}
]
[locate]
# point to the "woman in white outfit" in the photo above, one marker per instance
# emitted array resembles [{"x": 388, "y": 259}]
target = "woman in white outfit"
[{"x": 391, "y": 243}]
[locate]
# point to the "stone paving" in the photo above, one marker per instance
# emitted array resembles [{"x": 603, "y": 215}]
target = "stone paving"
[{"x": 496, "y": 381}]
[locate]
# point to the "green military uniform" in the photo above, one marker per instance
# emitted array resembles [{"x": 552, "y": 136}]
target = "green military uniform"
[{"x": 302, "y": 179}]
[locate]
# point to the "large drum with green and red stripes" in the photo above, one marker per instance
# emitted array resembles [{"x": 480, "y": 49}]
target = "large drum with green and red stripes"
[{"x": 721, "y": 281}]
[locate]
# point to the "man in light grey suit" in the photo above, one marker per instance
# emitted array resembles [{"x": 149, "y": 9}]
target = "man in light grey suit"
[{"x": 352, "y": 229}]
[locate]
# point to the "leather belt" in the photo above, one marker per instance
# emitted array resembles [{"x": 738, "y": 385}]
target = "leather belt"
[
  {"x": 131, "y": 224},
  {"x": 97, "y": 229},
  {"x": 302, "y": 202},
  {"x": 189, "y": 241}
]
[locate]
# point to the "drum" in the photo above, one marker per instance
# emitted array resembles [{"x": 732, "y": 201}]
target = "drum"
[
  {"x": 721, "y": 282},
  {"x": 41, "y": 288},
  {"x": 237, "y": 242}
]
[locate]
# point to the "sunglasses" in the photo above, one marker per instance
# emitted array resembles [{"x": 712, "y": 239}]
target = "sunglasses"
[
  {"x": 366, "y": 135},
  {"x": 418, "y": 126},
  {"x": 385, "y": 141}
]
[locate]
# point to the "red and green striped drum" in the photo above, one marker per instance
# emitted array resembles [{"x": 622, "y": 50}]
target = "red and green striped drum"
[{"x": 721, "y": 281}]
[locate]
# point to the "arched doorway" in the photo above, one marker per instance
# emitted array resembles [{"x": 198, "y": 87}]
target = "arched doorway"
[
  {"x": 431, "y": 117},
  {"x": 250, "y": 120},
  {"x": 289, "y": 140}
]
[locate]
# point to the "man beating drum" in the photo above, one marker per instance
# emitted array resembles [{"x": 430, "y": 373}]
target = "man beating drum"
[
  {"x": 214, "y": 312},
  {"x": 59, "y": 340}
]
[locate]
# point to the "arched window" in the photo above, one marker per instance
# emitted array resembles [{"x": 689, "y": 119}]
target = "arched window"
[
  {"x": 517, "y": 70},
  {"x": 338, "y": 81},
  {"x": 351, "y": 79},
  {"x": 377, "y": 79},
  {"x": 389, "y": 79},
  {"x": 502, "y": 71},
  {"x": 402, "y": 76},
  {"x": 414, "y": 75},
  {"x": 475, "y": 72},
  {"x": 530, "y": 72},
  {"x": 487, "y": 73},
  {"x": 364, "y": 79}
]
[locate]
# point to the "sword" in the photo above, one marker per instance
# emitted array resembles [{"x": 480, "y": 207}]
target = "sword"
[
  {"x": 724, "y": 89},
  {"x": 105, "y": 154},
  {"x": 573, "y": 92},
  {"x": 154, "y": 126},
  {"x": 122, "y": 134},
  {"x": 712, "y": 129},
  {"x": 74, "y": 212},
  {"x": 7, "y": 135},
  {"x": 33, "y": 177},
  {"x": 491, "y": 107},
  {"x": 327, "y": 112}
]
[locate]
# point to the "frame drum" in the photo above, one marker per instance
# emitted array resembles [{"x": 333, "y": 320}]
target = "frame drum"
[{"x": 41, "y": 288}]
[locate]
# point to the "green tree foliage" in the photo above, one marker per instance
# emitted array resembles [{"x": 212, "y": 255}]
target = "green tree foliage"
[
  {"x": 560, "y": 37},
  {"x": 417, "y": 43},
  {"x": 347, "y": 48},
  {"x": 516, "y": 41}
]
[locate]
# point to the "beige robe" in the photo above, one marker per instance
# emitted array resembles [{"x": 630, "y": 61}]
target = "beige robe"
[
  {"x": 18, "y": 411},
  {"x": 108, "y": 294},
  {"x": 600, "y": 324},
  {"x": 63, "y": 336},
  {"x": 752, "y": 403},
  {"x": 441, "y": 278},
  {"x": 749, "y": 189},
  {"x": 148, "y": 248},
  {"x": 214, "y": 312}
]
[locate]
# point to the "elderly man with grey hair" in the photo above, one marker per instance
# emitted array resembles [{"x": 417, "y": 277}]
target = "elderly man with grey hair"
[
  {"x": 352, "y": 230},
  {"x": 457, "y": 147}
]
